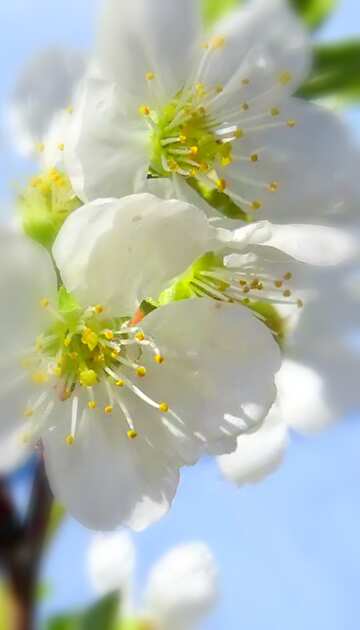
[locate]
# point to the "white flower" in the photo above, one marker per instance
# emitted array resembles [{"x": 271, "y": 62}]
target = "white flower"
[
  {"x": 176, "y": 102},
  {"x": 118, "y": 403},
  {"x": 42, "y": 99},
  {"x": 181, "y": 589}
]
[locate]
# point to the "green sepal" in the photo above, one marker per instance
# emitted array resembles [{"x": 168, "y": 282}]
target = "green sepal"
[
  {"x": 314, "y": 12},
  {"x": 103, "y": 615},
  {"x": 218, "y": 200},
  {"x": 336, "y": 72},
  {"x": 213, "y": 10},
  {"x": 67, "y": 302},
  {"x": 181, "y": 288}
]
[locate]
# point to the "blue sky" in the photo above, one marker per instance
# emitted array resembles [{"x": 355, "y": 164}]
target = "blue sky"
[{"x": 288, "y": 549}]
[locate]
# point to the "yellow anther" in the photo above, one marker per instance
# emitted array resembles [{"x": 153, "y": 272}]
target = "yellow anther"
[
  {"x": 285, "y": 78},
  {"x": 217, "y": 41},
  {"x": 275, "y": 111},
  {"x": 61, "y": 146},
  {"x": 89, "y": 338},
  {"x": 182, "y": 139},
  {"x": 108, "y": 409},
  {"x": 99, "y": 309},
  {"x": 140, "y": 336},
  {"x": 92, "y": 404},
  {"x": 200, "y": 89},
  {"x": 245, "y": 107},
  {"x": 173, "y": 165},
  {"x": 150, "y": 76},
  {"x": 273, "y": 186},
  {"x": 204, "y": 167},
  {"x": 278, "y": 284},
  {"x": 144, "y": 110},
  {"x": 164, "y": 407},
  {"x": 288, "y": 275},
  {"x": 109, "y": 335},
  {"x": 88, "y": 378},
  {"x": 70, "y": 440},
  {"x": 256, "y": 205},
  {"x": 219, "y": 88},
  {"x": 246, "y": 289},
  {"x": 242, "y": 283},
  {"x": 221, "y": 185},
  {"x": 287, "y": 293},
  {"x": 254, "y": 157},
  {"x": 57, "y": 371},
  {"x": 159, "y": 359},
  {"x": 44, "y": 302},
  {"x": 120, "y": 383},
  {"x": 239, "y": 133},
  {"x": 40, "y": 147},
  {"x": 70, "y": 109},
  {"x": 141, "y": 371},
  {"x": 132, "y": 434},
  {"x": 291, "y": 123},
  {"x": 115, "y": 354},
  {"x": 226, "y": 161},
  {"x": 300, "y": 303},
  {"x": 28, "y": 412},
  {"x": 39, "y": 378},
  {"x": 194, "y": 150},
  {"x": 245, "y": 82}
]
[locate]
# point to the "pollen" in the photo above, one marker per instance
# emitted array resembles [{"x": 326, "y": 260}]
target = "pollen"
[
  {"x": 132, "y": 434},
  {"x": 89, "y": 338},
  {"x": 300, "y": 303},
  {"x": 61, "y": 146},
  {"x": 219, "y": 88},
  {"x": 245, "y": 82},
  {"x": 164, "y": 407},
  {"x": 194, "y": 150},
  {"x": 273, "y": 187},
  {"x": 28, "y": 412},
  {"x": 144, "y": 110},
  {"x": 141, "y": 371},
  {"x": 108, "y": 409},
  {"x": 109, "y": 335},
  {"x": 226, "y": 161},
  {"x": 275, "y": 111},
  {"x": 218, "y": 41},
  {"x": 254, "y": 157},
  {"x": 182, "y": 139},
  {"x": 159, "y": 359},
  {"x": 88, "y": 378},
  {"x": 287, "y": 293},
  {"x": 92, "y": 404},
  {"x": 150, "y": 76},
  {"x": 291, "y": 123},
  {"x": 40, "y": 378},
  {"x": 288, "y": 275},
  {"x": 256, "y": 205},
  {"x": 221, "y": 185},
  {"x": 245, "y": 107},
  {"x": 120, "y": 383},
  {"x": 44, "y": 302},
  {"x": 70, "y": 109},
  {"x": 285, "y": 78},
  {"x": 278, "y": 284},
  {"x": 140, "y": 336},
  {"x": 99, "y": 309},
  {"x": 70, "y": 440}
]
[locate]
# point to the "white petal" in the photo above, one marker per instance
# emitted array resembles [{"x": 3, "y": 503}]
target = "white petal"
[
  {"x": 308, "y": 187},
  {"x": 313, "y": 244},
  {"x": 45, "y": 86},
  {"x": 257, "y": 454},
  {"x": 111, "y": 563},
  {"x": 261, "y": 42},
  {"x": 182, "y": 587},
  {"x": 120, "y": 251},
  {"x": 106, "y": 152},
  {"x": 219, "y": 368},
  {"x": 137, "y": 37}
]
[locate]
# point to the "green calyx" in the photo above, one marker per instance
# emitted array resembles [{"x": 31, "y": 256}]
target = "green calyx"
[
  {"x": 185, "y": 286},
  {"x": 45, "y": 204}
]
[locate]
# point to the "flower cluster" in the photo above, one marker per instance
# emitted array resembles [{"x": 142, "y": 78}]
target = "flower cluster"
[{"x": 146, "y": 314}]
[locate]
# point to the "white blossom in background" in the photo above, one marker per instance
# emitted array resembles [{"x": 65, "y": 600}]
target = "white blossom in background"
[
  {"x": 216, "y": 107},
  {"x": 42, "y": 96},
  {"x": 181, "y": 590}
]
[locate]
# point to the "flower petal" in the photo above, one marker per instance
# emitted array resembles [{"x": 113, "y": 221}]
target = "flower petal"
[
  {"x": 143, "y": 240},
  {"x": 137, "y": 37},
  {"x": 257, "y": 454},
  {"x": 45, "y": 86},
  {"x": 106, "y": 152},
  {"x": 111, "y": 563},
  {"x": 261, "y": 43},
  {"x": 182, "y": 587}
]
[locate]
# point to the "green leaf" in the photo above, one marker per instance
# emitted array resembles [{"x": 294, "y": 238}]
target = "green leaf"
[
  {"x": 336, "y": 72},
  {"x": 314, "y": 12},
  {"x": 103, "y": 615},
  {"x": 213, "y": 10},
  {"x": 218, "y": 200}
]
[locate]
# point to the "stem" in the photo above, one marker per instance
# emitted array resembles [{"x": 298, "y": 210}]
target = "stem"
[{"x": 21, "y": 548}]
